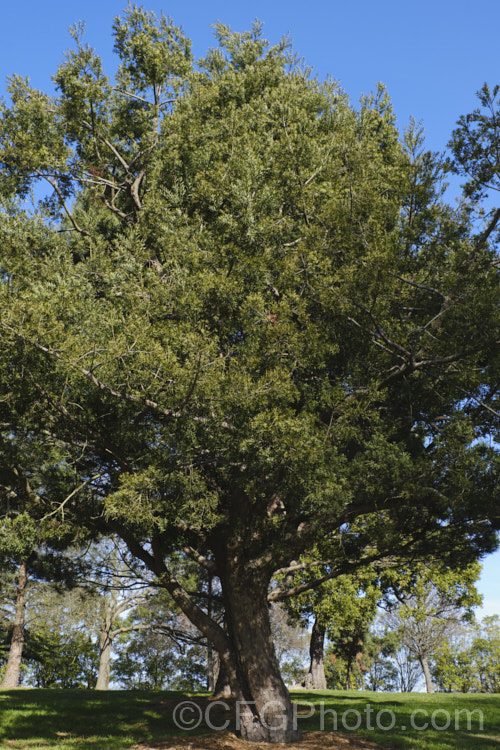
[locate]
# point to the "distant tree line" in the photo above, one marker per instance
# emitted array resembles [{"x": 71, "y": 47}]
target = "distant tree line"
[{"x": 107, "y": 624}]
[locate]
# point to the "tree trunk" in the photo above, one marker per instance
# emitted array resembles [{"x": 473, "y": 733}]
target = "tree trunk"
[
  {"x": 427, "y": 674},
  {"x": 222, "y": 687},
  {"x": 263, "y": 705},
  {"x": 212, "y": 656},
  {"x": 211, "y": 669},
  {"x": 315, "y": 678},
  {"x": 348, "y": 674},
  {"x": 104, "y": 662},
  {"x": 12, "y": 672},
  {"x": 106, "y": 641}
]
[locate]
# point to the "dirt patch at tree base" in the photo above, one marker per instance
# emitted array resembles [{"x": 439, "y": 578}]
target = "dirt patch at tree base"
[{"x": 229, "y": 741}]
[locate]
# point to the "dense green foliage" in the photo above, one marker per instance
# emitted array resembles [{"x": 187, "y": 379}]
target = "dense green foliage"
[
  {"x": 471, "y": 663},
  {"x": 244, "y": 326},
  {"x": 290, "y": 310}
]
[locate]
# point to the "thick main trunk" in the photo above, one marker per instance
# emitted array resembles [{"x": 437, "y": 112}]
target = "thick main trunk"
[
  {"x": 104, "y": 662},
  {"x": 246, "y": 650},
  {"x": 263, "y": 706},
  {"x": 13, "y": 669},
  {"x": 429, "y": 686},
  {"x": 315, "y": 678}
]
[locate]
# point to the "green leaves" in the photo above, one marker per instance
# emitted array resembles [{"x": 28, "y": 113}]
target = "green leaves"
[
  {"x": 471, "y": 663},
  {"x": 154, "y": 53},
  {"x": 31, "y": 138},
  {"x": 475, "y": 145},
  {"x": 85, "y": 92},
  {"x": 245, "y": 306}
]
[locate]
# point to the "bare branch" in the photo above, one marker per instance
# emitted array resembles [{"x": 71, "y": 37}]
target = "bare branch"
[
  {"x": 133, "y": 96},
  {"x": 481, "y": 403},
  {"x": 128, "y": 629},
  {"x": 301, "y": 566},
  {"x": 53, "y": 182},
  {"x": 60, "y": 507},
  {"x": 134, "y": 189}
]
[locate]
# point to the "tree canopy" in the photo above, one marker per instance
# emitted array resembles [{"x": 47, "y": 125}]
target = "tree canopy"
[{"x": 249, "y": 323}]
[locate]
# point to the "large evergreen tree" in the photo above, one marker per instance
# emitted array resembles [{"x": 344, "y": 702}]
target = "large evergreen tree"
[{"x": 250, "y": 319}]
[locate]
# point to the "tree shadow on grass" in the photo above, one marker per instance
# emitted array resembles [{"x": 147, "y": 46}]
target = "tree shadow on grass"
[
  {"x": 411, "y": 721},
  {"x": 76, "y": 718},
  {"x": 120, "y": 720}
]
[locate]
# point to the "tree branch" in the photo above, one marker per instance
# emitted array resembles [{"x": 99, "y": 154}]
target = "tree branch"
[
  {"x": 143, "y": 402},
  {"x": 483, "y": 237},
  {"x": 53, "y": 183},
  {"x": 66, "y": 500},
  {"x": 209, "y": 627},
  {"x": 201, "y": 560}
]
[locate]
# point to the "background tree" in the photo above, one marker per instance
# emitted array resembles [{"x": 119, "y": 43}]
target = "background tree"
[
  {"x": 409, "y": 671},
  {"x": 429, "y": 608},
  {"x": 121, "y": 586},
  {"x": 59, "y": 647},
  {"x": 486, "y": 652},
  {"x": 12, "y": 670},
  {"x": 153, "y": 660},
  {"x": 453, "y": 669},
  {"x": 340, "y": 610},
  {"x": 165, "y": 652},
  {"x": 290, "y": 643},
  {"x": 349, "y": 652},
  {"x": 383, "y": 673},
  {"x": 256, "y": 327},
  {"x": 470, "y": 663}
]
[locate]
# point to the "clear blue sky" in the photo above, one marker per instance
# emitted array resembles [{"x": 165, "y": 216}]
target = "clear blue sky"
[{"x": 432, "y": 56}]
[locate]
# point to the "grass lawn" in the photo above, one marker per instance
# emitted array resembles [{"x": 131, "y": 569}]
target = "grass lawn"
[
  {"x": 371, "y": 714},
  {"x": 68, "y": 719},
  {"x": 64, "y": 719}
]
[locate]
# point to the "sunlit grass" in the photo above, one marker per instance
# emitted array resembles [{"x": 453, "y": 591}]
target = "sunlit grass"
[
  {"x": 419, "y": 719},
  {"x": 67, "y": 719},
  {"x": 116, "y": 720}
]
